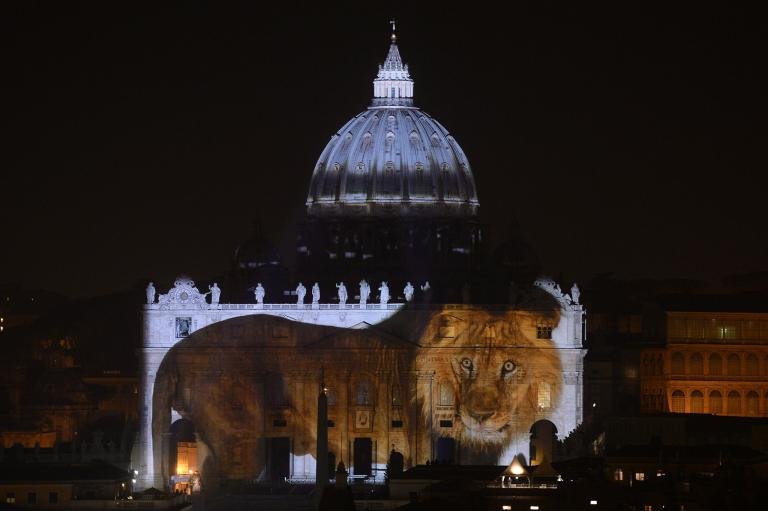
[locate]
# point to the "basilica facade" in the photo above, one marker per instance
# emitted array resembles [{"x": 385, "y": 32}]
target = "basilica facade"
[{"x": 392, "y": 325}]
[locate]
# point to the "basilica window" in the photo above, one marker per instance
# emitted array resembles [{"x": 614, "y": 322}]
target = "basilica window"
[
  {"x": 678, "y": 363},
  {"x": 678, "y": 402},
  {"x": 397, "y": 399},
  {"x": 734, "y": 365},
  {"x": 697, "y": 402},
  {"x": 544, "y": 396},
  {"x": 446, "y": 395},
  {"x": 715, "y": 402},
  {"x": 332, "y": 396},
  {"x": 364, "y": 393},
  {"x": 543, "y": 331},
  {"x": 276, "y": 392},
  {"x": 752, "y": 403},
  {"x": 734, "y": 403},
  {"x": 715, "y": 365}
]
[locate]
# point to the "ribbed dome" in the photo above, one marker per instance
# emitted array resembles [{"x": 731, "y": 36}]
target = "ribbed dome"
[{"x": 392, "y": 159}]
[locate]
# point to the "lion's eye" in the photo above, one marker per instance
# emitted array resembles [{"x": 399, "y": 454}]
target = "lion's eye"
[
  {"x": 508, "y": 367},
  {"x": 466, "y": 364}
]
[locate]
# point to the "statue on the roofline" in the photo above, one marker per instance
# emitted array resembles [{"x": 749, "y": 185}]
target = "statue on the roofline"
[
  {"x": 151, "y": 293},
  {"x": 259, "y": 293},
  {"x": 301, "y": 292},
  {"x": 342, "y": 292},
  {"x": 365, "y": 291},
  {"x": 383, "y": 293},
  {"x": 408, "y": 292}
]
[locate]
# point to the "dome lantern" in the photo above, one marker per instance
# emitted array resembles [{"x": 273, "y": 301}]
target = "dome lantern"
[{"x": 393, "y": 84}]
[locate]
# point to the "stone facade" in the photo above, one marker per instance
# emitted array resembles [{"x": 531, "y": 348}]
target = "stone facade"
[{"x": 247, "y": 374}]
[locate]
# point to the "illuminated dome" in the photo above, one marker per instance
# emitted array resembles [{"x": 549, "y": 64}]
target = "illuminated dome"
[{"x": 392, "y": 159}]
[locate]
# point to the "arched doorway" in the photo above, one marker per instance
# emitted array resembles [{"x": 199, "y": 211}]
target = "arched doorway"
[
  {"x": 183, "y": 460},
  {"x": 543, "y": 441}
]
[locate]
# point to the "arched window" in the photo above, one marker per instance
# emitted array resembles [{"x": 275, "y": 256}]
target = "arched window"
[
  {"x": 752, "y": 403},
  {"x": 697, "y": 364},
  {"x": 734, "y": 365},
  {"x": 715, "y": 364},
  {"x": 678, "y": 363},
  {"x": 678, "y": 402},
  {"x": 753, "y": 365},
  {"x": 363, "y": 393},
  {"x": 715, "y": 402},
  {"x": 446, "y": 394},
  {"x": 697, "y": 402},
  {"x": 734, "y": 403}
]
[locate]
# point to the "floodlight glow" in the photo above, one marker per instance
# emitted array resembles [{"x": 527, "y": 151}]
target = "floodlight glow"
[{"x": 592, "y": 502}]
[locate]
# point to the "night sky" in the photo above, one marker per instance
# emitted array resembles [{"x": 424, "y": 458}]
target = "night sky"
[{"x": 143, "y": 143}]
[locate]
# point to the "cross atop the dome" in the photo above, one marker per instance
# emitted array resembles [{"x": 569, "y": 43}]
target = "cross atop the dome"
[{"x": 392, "y": 22}]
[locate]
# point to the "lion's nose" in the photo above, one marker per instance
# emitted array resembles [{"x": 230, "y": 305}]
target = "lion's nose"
[
  {"x": 482, "y": 404},
  {"x": 481, "y": 416}
]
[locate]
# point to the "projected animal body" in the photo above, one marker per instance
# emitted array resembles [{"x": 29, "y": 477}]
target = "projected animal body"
[{"x": 464, "y": 384}]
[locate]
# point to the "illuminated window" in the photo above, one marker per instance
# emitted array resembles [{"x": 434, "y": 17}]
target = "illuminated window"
[
  {"x": 715, "y": 365},
  {"x": 734, "y": 403},
  {"x": 544, "y": 396},
  {"x": 543, "y": 332},
  {"x": 697, "y": 364},
  {"x": 397, "y": 400},
  {"x": 639, "y": 476},
  {"x": 446, "y": 394},
  {"x": 752, "y": 403},
  {"x": 715, "y": 402},
  {"x": 363, "y": 394},
  {"x": 697, "y": 402},
  {"x": 647, "y": 507},
  {"x": 10, "y": 498},
  {"x": 678, "y": 363},
  {"x": 678, "y": 402},
  {"x": 618, "y": 475}
]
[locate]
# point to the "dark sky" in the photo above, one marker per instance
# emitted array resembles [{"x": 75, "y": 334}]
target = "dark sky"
[{"x": 141, "y": 143}]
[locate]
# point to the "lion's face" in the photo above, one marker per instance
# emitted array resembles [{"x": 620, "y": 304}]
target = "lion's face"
[{"x": 501, "y": 377}]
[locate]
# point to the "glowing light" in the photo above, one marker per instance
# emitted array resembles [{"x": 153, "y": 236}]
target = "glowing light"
[
  {"x": 592, "y": 502},
  {"x": 534, "y": 508},
  {"x": 506, "y": 508}
]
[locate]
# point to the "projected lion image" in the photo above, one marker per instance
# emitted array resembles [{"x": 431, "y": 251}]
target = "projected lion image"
[
  {"x": 500, "y": 376},
  {"x": 250, "y": 385}
]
